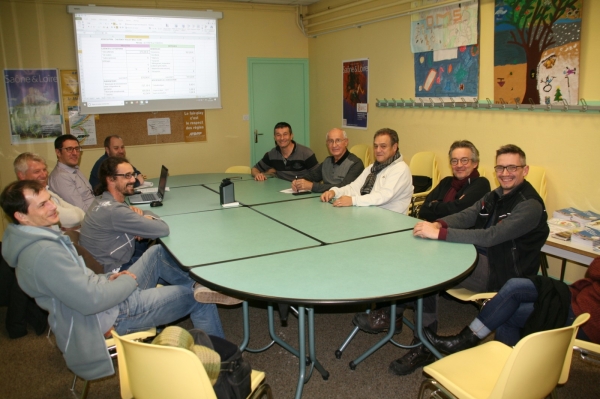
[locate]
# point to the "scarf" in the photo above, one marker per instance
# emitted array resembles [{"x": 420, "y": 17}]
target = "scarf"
[
  {"x": 375, "y": 169},
  {"x": 458, "y": 185}
]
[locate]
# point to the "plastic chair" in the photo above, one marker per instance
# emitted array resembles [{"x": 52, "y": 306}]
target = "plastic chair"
[
  {"x": 112, "y": 349},
  {"x": 463, "y": 294},
  {"x": 423, "y": 164},
  {"x": 531, "y": 369},
  {"x": 239, "y": 169},
  {"x": 364, "y": 152},
  {"x": 537, "y": 178},
  {"x": 157, "y": 372},
  {"x": 488, "y": 173}
]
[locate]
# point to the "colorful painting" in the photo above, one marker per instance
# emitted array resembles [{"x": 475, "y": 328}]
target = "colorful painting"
[
  {"x": 448, "y": 73},
  {"x": 355, "y": 85},
  {"x": 443, "y": 27},
  {"x": 33, "y": 99},
  {"x": 536, "y": 51}
]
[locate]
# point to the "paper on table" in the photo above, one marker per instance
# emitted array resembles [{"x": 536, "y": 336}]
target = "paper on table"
[
  {"x": 291, "y": 191},
  {"x": 145, "y": 185}
]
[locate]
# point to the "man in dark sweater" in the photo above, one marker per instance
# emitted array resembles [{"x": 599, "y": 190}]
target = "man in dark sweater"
[
  {"x": 288, "y": 160},
  {"x": 459, "y": 191},
  {"x": 508, "y": 227},
  {"x": 338, "y": 170}
]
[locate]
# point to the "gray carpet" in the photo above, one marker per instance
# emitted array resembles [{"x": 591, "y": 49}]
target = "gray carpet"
[{"x": 31, "y": 367}]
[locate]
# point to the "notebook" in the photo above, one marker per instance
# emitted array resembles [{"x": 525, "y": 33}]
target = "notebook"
[{"x": 147, "y": 198}]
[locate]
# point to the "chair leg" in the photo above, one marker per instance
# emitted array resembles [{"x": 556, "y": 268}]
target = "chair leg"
[
  {"x": 84, "y": 392},
  {"x": 262, "y": 392},
  {"x": 436, "y": 390}
]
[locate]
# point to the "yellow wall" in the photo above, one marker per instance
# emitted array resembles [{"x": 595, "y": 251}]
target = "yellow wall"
[
  {"x": 565, "y": 144},
  {"x": 41, "y": 36}
]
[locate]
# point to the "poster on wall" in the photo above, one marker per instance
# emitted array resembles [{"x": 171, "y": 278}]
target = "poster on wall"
[
  {"x": 536, "y": 51},
  {"x": 355, "y": 85},
  {"x": 443, "y": 27},
  {"x": 33, "y": 100},
  {"x": 79, "y": 125},
  {"x": 448, "y": 74}
]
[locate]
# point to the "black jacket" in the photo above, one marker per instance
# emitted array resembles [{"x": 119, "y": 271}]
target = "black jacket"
[{"x": 474, "y": 190}]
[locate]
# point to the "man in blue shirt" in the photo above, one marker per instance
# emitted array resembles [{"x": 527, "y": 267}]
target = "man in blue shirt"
[{"x": 113, "y": 147}]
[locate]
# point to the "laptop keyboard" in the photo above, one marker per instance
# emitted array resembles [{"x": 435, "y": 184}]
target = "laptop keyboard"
[{"x": 148, "y": 197}]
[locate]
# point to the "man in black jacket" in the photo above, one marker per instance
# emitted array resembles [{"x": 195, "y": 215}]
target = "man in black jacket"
[{"x": 459, "y": 191}]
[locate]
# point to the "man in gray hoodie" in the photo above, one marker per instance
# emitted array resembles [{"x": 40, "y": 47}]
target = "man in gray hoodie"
[{"x": 84, "y": 307}]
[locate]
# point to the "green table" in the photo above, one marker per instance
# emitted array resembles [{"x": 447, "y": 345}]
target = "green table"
[
  {"x": 384, "y": 268},
  {"x": 226, "y": 234},
  {"x": 328, "y": 224},
  {"x": 199, "y": 179},
  {"x": 250, "y": 192},
  {"x": 181, "y": 200}
]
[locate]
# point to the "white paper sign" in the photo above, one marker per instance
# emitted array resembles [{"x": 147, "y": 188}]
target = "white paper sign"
[{"x": 159, "y": 126}]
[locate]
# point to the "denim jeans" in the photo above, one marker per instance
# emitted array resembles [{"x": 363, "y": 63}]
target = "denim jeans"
[
  {"x": 149, "y": 306},
  {"x": 507, "y": 312}
]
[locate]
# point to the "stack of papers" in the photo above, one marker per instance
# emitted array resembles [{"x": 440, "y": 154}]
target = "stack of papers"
[
  {"x": 583, "y": 218},
  {"x": 588, "y": 237}
]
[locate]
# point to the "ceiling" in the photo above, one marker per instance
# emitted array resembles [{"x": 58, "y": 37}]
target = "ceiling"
[{"x": 284, "y": 2}]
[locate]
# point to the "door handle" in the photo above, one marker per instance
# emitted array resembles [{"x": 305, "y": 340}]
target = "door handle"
[{"x": 256, "y": 134}]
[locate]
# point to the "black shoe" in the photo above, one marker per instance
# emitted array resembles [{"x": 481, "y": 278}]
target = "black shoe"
[
  {"x": 455, "y": 343},
  {"x": 377, "y": 321},
  {"x": 415, "y": 358}
]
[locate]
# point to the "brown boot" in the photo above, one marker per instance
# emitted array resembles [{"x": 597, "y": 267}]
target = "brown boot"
[{"x": 377, "y": 321}]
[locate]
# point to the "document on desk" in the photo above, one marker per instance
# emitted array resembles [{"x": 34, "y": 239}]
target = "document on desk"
[
  {"x": 150, "y": 189},
  {"x": 291, "y": 191}
]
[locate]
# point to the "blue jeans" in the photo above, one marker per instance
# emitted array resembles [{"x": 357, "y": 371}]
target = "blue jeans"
[
  {"x": 149, "y": 306},
  {"x": 507, "y": 312}
]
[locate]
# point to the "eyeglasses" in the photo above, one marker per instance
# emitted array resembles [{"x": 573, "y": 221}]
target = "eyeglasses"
[
  {"x": 510, "y": 168},
  {"x": 463, "y": 161},
  {"x": 128, "y": 175},
  {"x": 69, "y": 150},
  {"x": 336, "y": 141}
]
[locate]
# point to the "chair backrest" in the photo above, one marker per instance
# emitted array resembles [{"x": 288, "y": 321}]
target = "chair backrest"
[
  {"x": 239, "y": 169},
  {"x": 537, "y": 178},
  {"x": 536, "y": 364},
  {"x": 425, "y": 164},
  {"x": 364, "y": 152},
  {"x": 489, "y": 173},
  {"x": 158, "y": 372}
]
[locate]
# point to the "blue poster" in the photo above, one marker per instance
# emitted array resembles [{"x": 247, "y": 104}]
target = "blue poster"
[
  {"x": 33, "y": 99},
  {"x": 448, "y": 73},
  {"x": 355, "y": 93}
]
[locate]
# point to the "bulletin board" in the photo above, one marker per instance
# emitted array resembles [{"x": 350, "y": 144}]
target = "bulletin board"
[{"x": 186, "y": 126}]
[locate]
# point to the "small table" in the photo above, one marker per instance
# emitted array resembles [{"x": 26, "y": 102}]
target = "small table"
[
  {"x": 566, "y": 250},
  {"x": 383, "y": 268}
]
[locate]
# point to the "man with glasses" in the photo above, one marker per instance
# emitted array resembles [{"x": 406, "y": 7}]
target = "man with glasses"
[
  {"x": 288, "y": 160},
  {"x": 113, "y": 147},
  {"x": 459, "y": 191},
  {"x": 113, "y": 232},
  {"x": 338, "y": 170},
  {"x": 66, "y": 179},
  {"x": 508, "y": 228}
]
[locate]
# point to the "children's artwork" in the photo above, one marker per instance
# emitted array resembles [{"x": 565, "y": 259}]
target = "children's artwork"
[
  {"x": 33, "y": 99},
  {"x": 443, "y": 27},
  {"x": 448, "y": 73},
  {"x": 355, "y": 79},
  {"x": 536, "y": 51}
]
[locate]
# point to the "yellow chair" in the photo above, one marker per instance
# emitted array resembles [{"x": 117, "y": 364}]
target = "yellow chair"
[
  {"x": 488, "y": 173},
  {"x": 537, "y": 178},
  {"x": 112, "y": 349},
  {"x": 480, "y": 298},
  {"x": 239, "y": 169},
  {"x": 423, "y": 164},
  {"x": 364, "y": 152},
  {"x": 156, "y": 372},
  {"x": 531, "y": 369}
]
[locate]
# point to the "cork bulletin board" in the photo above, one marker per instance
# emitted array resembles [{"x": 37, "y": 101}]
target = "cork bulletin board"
[{"x": 186, "y": 126}]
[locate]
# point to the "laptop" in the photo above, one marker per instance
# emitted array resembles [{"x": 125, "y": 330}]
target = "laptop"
[{"x": 146, "y": 198}]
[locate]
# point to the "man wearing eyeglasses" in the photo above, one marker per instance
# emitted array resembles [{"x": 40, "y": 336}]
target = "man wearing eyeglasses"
[
  {"x": 113, "y": 232},
  {"x": 508, "y": 228},
  {"x": 338, "y": 170},
  {"x": 459, "y": 191},
  {"x": 66, "y": 179},
  {"x": 113, "y": 147}
]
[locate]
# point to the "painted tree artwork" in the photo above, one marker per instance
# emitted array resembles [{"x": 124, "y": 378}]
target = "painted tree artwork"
[{"x": 536, "y": 51}]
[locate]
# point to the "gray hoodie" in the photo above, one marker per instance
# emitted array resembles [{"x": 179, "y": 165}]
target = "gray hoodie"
[{"x": 49, "y": 269}]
